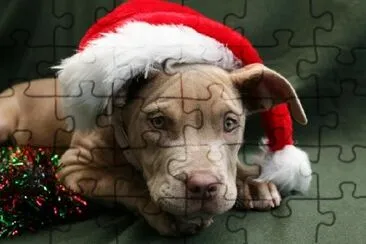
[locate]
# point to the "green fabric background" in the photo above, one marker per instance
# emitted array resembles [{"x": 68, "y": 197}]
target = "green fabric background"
[{"x": 319, "y": 45}]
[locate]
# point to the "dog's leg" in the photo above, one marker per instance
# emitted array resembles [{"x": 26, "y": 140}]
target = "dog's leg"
[
  {"x": 253, "y": 194},
  {"x": 9, "y": 112},
  {"x": 93, "y": 174},
  {"x": 111, "y": 187}
]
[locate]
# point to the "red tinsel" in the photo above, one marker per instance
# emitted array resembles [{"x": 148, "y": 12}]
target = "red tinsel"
[{"x": 30, "y": 195}]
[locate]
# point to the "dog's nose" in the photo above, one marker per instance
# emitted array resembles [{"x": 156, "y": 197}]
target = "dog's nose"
[{"x": 203, "y": 185}]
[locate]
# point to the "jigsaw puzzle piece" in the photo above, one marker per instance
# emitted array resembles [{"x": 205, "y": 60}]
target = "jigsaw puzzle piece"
[
  {"x": 346, "y": 17},
  {"x": 330, "y": 73},
  {"x": 301, "y": 24},
  {"x": 47, "y": 22},
  {"x": 77, "y": 95},
  {"x": 332, "y": 171},
  {"x": 283, "y": 224},
  {"x": 106, "y": 229},
  {"x": 306, "y": 137},
  {"x": 32, "y": 56},
  {"x": 347, "y": 135},
  {"x": 133, "y": 234},
  {"x": 218, "y": 232},
  {"x": 219, "y": 11},
  {"x": 357, "y": 72},
  {"x": 248, "y": 154},
  {"x": 283, "y": 57},
  {"x": 106, "y": 223},
  {"x": 33, "y": 41},
  {"x": 61, "y": 136},
  {"x": 349, "y": 208},
  {"x": 82, "y": 19},
  {"x": 309, "y": 137},
  {"x": 24, "y": 123}
]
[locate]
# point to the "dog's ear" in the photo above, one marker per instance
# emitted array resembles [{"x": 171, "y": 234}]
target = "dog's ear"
[{"x": 261, "y": 88}]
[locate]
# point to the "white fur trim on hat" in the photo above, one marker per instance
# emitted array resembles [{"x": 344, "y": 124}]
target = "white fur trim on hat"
[
  {"x": 91, "y": 76},
  {"x": 289, "y": 169}
]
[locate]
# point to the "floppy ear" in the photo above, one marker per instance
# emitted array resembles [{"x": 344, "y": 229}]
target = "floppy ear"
[{"x": 261, "y": 88}]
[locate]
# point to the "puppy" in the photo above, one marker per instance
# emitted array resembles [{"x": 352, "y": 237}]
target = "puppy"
[{"x": 167, "y": 149}]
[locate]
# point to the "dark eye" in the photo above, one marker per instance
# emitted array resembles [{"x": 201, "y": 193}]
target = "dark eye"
[
  {"x": 158, "y": 122},
  {"x": 230, "y": 124}
]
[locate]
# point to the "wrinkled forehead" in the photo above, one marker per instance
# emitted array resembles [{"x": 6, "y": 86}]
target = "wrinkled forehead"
[{"x": 196, "y": 85}]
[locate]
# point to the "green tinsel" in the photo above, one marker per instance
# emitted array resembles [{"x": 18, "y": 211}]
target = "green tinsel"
[{"x": 30, "y": 195}]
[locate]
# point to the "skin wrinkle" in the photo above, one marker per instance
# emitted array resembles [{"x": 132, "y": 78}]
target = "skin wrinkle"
[{"x": 193, "y": 117}]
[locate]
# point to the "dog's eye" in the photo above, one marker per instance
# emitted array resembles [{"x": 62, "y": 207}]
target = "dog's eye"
[
  {"x": 230, "y": 124},
  {"x": 158, "y": 122}
]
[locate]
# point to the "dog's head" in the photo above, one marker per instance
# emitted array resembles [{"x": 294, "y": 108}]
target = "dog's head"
[{"x": 184, "y": 129}]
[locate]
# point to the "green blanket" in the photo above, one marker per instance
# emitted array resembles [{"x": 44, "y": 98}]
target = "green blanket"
[{"x": 320, "y": 46}]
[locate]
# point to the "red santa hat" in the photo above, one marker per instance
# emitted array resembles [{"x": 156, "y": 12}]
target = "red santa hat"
[{"x": 140, "y": 34}]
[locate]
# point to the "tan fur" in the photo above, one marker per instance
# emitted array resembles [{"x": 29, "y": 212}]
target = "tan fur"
[
  {"x": 31, "y": 112},
  {"x": 144, "y": 168}
]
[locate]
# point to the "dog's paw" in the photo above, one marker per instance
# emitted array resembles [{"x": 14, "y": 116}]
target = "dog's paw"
[
  {"x": 257, "y": 195},
  {"x": 192, "y": 226},
  {"x": 168, "y": 225},
  {"x": 163, "y": 223}
]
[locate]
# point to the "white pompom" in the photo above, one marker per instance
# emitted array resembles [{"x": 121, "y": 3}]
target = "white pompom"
[{"x": 289, "y": 169}]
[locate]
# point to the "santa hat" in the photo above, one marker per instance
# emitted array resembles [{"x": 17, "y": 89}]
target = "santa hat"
[{"x": 141, "y": 34}]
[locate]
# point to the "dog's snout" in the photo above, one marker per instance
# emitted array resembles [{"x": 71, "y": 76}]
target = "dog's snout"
[{"x": 202, "y": 185}]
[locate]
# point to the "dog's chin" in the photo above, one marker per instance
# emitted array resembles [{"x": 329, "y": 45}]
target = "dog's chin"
[{"x": 194, "y": 207}]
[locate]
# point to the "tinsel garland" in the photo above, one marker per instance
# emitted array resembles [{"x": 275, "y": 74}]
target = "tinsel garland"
[{"x": 31, "y": 197}]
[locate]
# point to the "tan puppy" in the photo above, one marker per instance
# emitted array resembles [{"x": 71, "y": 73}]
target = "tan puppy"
[{"x": 168, "y": 150}]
